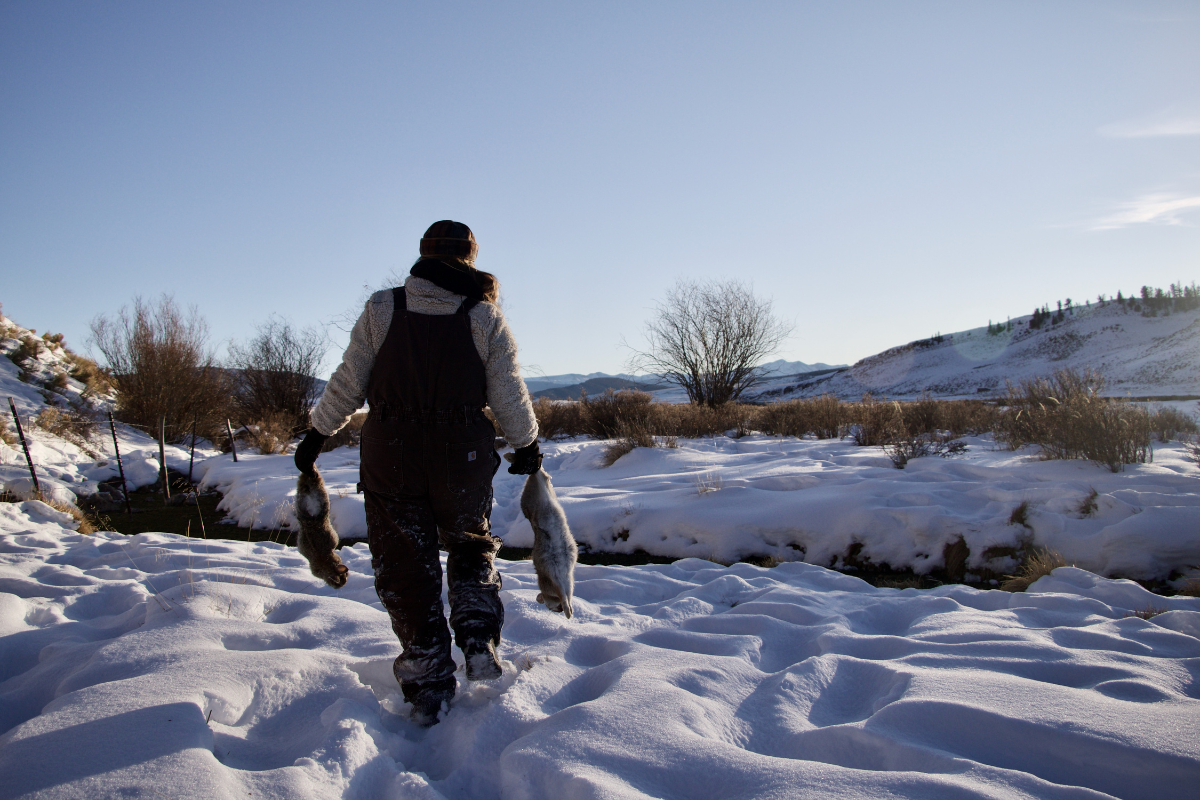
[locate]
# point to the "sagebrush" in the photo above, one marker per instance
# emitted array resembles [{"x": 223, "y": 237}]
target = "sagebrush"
[{"x": 1068, "y": 417}]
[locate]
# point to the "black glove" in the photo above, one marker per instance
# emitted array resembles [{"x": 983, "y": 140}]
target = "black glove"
[
  {"x": 526, "y": 460},
  {"x": 308, "y": 450}
]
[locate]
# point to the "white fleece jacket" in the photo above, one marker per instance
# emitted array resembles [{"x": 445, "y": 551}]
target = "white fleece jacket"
[{"x": 506, "y": 392}]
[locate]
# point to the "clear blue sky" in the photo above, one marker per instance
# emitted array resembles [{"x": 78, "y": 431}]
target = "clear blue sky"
[{"x": 882, "y": 170}]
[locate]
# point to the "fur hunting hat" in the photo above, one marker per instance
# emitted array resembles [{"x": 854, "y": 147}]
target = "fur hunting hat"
[{"x": 450, "y": 239}]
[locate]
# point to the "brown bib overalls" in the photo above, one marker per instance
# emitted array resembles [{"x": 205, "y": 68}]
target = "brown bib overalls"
[{"x": 428, "y": 457}]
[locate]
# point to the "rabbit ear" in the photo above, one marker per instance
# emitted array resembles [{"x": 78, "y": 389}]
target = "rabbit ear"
[{"x": 509, "y": 457}]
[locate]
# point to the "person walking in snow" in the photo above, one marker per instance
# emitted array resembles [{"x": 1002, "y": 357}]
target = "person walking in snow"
[{"x": 427, "y": 357}]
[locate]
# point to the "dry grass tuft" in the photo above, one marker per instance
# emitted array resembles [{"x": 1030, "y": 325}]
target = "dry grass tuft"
[
  {"x": 614, "y": 450},
  {"x": 1087, "y": 506},
  {"x": 85, "y": 524},
  {"x": 1020, "y": 515},
  {"x": 707, "y": 482},
  {"x": 272, "y": 434},
  {"x": 1147, "y": 613},
  {"x": 74, "y": 423},
  {"x": 95, "y": 380},
  {"x": 29, "y": 348},
  {"x": 1039, "y": 563}
]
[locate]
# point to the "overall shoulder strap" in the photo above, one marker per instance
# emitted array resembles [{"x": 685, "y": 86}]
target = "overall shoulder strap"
[
  {"x": 467, "y": 305},
  {"x": 399, "y": 299}
]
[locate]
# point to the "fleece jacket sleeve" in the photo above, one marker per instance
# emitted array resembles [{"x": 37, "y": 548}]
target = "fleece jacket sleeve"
[
  {"x": 347, "y": 388},
  {"x": 506, "y": 392}
]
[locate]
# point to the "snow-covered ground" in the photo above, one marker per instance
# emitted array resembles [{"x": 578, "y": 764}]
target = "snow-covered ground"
[
  {"x": 809, "y": 500},
  {"x": 160, "y": 666}
]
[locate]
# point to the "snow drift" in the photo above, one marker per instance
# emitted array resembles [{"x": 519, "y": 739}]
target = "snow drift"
[{"x": 162, "y": 666}]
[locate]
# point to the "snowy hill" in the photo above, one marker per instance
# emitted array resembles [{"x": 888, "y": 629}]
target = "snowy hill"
[{"x": 1140, "y": 356}]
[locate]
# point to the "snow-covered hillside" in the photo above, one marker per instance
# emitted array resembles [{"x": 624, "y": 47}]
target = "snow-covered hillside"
[
  {"x": 1138, "y": 355},
  {"x": 160, "y": 666}
]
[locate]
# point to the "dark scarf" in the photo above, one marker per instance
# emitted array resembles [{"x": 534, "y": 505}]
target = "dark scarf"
[{"x": 450, "y": 278}]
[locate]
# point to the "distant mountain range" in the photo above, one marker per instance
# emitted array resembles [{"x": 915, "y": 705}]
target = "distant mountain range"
[
  {"x": 594, "y": 386},
  {"x": 569, "y": 385}
]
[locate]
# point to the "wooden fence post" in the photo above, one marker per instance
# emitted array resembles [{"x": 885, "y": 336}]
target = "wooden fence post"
[
  {"x": 37, "y": 490},
  {"x": 232, "y": 443},
  {"x": 162, "y": 459},
  {"x": 192, "y": 460},
  {"x": 112, "y": 426}
]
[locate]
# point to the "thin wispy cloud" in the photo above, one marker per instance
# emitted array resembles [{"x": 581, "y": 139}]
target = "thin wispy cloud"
[
  {"x": 1173, "y": 121},
  {"x": 1160, "y": 208}
]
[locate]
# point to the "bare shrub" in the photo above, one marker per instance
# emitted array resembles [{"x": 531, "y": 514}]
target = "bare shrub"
[
  {"x": 560, "y": 418},
  {"x": 1170, "y": 423},
  {"x": 277, "y": 373},
  {"x": 825, "y": 417},
  {"x": 1191, "y": 448},
  {"x": 349, "y": 434},
  {"x": 820, "y": 416},
  {"x": 606, "y": 412},
  {"x": 903, "y": 448},
  {"x": 919, "y": 416},
  {"x": 1191, "y": 586},
  {"x": 1039, "y": 563},
  {"x": 873, "y": 422},
  {"x": 709, "y": 339},
  {"x": 1066, "y": 415},
  {"x": 161, "y": 366},
  {"x": 693, "y": 421},
  {"x": 58, "y": 383},
  {"x": 967, "y": 417}
]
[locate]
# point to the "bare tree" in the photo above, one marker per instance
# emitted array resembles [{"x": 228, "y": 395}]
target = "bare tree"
[
  {"x": 277, "y": 372},
  {"x": 161, "y": 365},
  {"x": 710, "y": 338}
]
